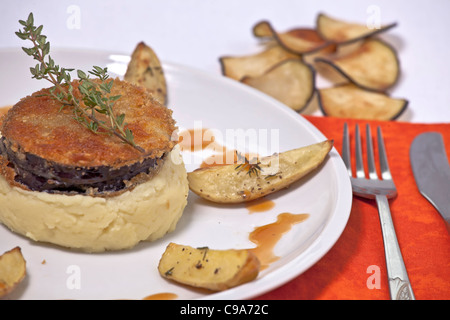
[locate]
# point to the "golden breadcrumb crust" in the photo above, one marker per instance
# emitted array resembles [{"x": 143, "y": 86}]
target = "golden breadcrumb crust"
[{"x": 37, "y": 125}]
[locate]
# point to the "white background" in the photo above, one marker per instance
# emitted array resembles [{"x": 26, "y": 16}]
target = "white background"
[{"x": 196, "y": 33}]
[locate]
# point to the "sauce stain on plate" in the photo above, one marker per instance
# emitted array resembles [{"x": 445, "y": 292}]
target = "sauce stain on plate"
[
  {"x": 259, "y": 205},
  {"x": 161, "y": 296},
  {"x": 195, "y": 139},
  {"x": 267, "y": 236},
  {"x": 199, "y": 139}
]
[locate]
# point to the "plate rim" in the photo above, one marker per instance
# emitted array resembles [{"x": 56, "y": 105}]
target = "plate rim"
[{"x": 334, "y": 226}]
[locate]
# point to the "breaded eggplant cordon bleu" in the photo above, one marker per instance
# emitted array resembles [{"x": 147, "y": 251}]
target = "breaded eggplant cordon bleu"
[{"x": 64, "y": 184}]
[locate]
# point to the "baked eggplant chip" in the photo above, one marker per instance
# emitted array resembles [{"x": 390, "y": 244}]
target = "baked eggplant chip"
[
  {"x": 350, "y": 101},
  {"x": 339, "y": 31},
  {"x": 12, "y": 270},
  {"x": 325, "y": 51},
  {"x": 215, "y": 270},
  {"x": 250, "y": 179},
  {"x": 298, "y": 40},
  {"x": 263, "y": 29},
  {"x": 145, "y": 69},
  {"x": 253, "y": 65},
  {"x": 291, "y": 81},
  {"x": 372, "y": 66}
]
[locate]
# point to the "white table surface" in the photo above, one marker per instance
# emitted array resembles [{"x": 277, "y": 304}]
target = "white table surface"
[{"x": 196, "y": 33}]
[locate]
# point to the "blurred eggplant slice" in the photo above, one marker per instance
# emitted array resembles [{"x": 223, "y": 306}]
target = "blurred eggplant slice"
[
  {"x": 253, "y": 65},
  {"x": 340, "y": 31},
  {"x": 263, "y": 29},
  {"x": 372, "y": 66},
  {"x": 298, "y": 40},
  {"x": 350, "y": 101},
  {"x": 290, "y": 81}
]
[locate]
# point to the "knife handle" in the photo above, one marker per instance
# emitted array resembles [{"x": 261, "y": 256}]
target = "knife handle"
[{"x": 399, "y": 285}]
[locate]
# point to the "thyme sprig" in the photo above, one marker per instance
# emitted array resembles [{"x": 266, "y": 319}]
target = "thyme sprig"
[
  {"x": 250, "y": 166},
  {"x": 95, "y": 95}
]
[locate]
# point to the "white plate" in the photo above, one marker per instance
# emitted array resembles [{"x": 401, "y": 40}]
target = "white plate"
[{"x": 223, "y": 105}]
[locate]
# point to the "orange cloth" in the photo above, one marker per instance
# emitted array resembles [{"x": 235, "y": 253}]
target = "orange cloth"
[{"x": 343, "y": 273}]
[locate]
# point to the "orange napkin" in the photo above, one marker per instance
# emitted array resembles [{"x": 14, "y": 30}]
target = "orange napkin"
[{"x": 355, "y": 266}]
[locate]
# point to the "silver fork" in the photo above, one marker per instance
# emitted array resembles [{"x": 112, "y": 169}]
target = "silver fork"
[{"x": 381, "y": 190}]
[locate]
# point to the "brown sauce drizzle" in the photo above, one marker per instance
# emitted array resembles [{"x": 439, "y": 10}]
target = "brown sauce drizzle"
[
  {"x": 195, "y": 139},
  {"x": 267, "y": 236},
  {"x": 222, "y": 156},
  {"x": 161, "y": 296},
  {"x": 259, "y": 205},
  {"x": 199, "y": 139}
]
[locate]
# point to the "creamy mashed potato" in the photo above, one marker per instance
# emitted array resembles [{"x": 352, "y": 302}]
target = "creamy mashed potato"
[{"x": 96, "y": 224}]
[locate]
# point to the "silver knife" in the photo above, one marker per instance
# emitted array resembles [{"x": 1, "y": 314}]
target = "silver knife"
[{"x": 432, "y": 171}]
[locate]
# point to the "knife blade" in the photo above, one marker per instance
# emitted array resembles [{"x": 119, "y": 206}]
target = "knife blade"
[{"x": 432, "y": 171}]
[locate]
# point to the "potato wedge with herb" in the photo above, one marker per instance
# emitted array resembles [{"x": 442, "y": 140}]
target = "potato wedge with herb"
[
  {"x": 298, "y": 40},
  {"x": 349, "y": 101},
  {"x": 145, "y": 69},
  {"x": 373, "y": 65},
  {"x": 253, "y": 65},
  {"x": 291, "y": 81},
  {"x": 252, "y": 179},
  {"x": 339, "y": 31},
  {"x": 12, "y": 270},
  {"x": 210, "y": 269}
]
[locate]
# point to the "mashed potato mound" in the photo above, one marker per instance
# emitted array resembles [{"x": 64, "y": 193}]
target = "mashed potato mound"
[{"x": 96, "y": 224}]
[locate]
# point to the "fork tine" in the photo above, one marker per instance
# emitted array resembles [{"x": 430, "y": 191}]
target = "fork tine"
[
  {"x": 358, "y": 154},
  {"x": 346, "y": 150},
  {"x": 384, "y": 165},
  {"x": 370, "y": 156}
]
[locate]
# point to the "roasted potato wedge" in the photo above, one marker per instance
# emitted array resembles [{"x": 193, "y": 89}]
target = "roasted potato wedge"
[
  {"x": 339, "y": 31},
  {"x": 12, "y": 270},
  {"x": 349, "y": 101},
  {"x": 291, "y": 81},
  {"x": 145, "y": 69},
  {"x": 210, "y": 269},
  {"x": 246, "y": 181},
  {"x": 298, "y": 40},
  {"x": 372, "y": 66},
  {"x": 253, "y": 65}
]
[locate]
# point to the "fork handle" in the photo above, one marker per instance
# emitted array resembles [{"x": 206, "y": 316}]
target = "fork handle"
[{"x": 399, "y": 285}]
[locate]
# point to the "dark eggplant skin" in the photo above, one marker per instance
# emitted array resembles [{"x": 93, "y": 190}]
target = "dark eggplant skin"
[
  {"x": 38, "y": 174},
  {"x": 42, "y": 147}
]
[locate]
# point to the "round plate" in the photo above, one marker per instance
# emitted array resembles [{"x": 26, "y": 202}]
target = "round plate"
[{"x": 240, "y": 117}]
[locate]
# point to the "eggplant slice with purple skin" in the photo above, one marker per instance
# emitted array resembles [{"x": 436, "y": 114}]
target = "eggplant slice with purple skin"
[
  {"x": 350, "y": 101},
  {"x": 374, "y": 65},
  {"x": 238, "y": 67},
  {"x": 298, "y": 40},
  {"x": 39, "y": 174},
  {"x": 343, "y": 32},
  {"x": 291, "y": 81}
]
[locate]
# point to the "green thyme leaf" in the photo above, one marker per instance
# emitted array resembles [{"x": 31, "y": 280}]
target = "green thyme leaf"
[{"x": 95, "y": 94}]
